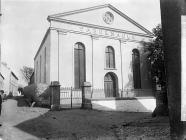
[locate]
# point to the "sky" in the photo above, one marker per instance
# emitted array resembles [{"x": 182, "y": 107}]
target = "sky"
[{"x": 24, "y": 23}]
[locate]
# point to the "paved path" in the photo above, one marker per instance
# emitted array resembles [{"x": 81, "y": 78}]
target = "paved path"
[{"x": 11, "y": 117}]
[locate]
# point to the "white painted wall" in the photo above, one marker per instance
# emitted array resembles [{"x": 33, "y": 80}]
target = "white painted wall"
[
  {"x": 60, "y": 43},
  {"x": 41, "y": 54},
  {"x": 100, "y": 69},
  {"x": 65, "y": 71},
  {"x": 54, "y": 55},
  {"x": 66, "y": 57}
]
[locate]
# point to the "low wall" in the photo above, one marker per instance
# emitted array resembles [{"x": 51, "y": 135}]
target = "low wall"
[
  {"x": 145, "y": 104},
  {"x": 100, "y": 93}
]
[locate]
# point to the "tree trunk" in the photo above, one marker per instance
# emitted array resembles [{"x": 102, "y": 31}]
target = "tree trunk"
[
  {"x": 171, "y": 27},
  {"x": 161, "y": 104}
]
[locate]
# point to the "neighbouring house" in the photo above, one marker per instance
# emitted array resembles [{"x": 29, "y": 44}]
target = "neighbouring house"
[
  {"x": 1, "y": 81},
  {"x": 100, "y": 45},
  {"x": 13, "y": 87},
  {"x": 10, "y": 80},
  {"x": 1, "y": 76}
]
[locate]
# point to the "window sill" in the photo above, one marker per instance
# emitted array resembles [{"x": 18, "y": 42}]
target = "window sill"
[{"x": 110, "y": 69}]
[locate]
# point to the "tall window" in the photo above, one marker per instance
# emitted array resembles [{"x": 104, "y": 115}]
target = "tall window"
[
  {"x": 45, "y": 66},
  {"x": 40, "y": 70},
  {"x": 136, "y": 68},
  {"x": 110, "y": 57},
  {"x": 37, "y": 72},
  {"x": 79, "y": 65}
]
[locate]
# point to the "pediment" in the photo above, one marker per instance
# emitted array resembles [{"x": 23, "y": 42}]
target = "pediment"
[{"x": 104, "y": 16}]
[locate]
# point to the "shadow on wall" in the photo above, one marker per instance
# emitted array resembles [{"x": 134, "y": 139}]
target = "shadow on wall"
[
  {"x": 145, "y": 68},
  {"x": 130, "y": 78}
]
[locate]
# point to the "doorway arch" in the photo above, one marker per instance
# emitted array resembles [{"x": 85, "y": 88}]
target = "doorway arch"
[{"x": 110, "y": 84}]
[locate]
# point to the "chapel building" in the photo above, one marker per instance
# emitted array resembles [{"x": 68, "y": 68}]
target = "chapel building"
[{"x": 100, "y": 45}]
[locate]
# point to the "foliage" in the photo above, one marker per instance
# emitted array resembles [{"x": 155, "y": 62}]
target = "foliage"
[
  {"x": 156, "y": 56},
  {"x": 27, "y": 72},
  {"x": 38, "y": 93}
]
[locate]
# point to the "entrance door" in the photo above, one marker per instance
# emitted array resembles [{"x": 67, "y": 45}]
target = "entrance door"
[
  {"x": 110, "y": 85},
  {"x": 79, "y": 65}
]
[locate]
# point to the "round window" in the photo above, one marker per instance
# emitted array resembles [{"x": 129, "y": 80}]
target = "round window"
[{"x": 108, "y": 17}]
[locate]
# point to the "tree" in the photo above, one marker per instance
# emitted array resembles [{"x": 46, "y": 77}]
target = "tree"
[
  {"x": 156, "y": 59},
  {"x": 27, "y": 72}
]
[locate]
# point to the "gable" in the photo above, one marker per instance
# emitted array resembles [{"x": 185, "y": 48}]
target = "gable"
[{"x": 104, "y": 16}]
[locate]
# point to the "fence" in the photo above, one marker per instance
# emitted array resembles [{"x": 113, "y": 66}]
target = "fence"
[
  {"x": 70, "y": 97},
  {"x": 138, "y": 93}
]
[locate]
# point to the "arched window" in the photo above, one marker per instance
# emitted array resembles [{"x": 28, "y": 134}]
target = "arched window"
[
  {"x": 110, "y": 57},
  {"x": 136, "y": 68},
  {"x": 79, "y": 65}
]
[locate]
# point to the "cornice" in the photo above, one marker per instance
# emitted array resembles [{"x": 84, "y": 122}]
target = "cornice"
[
  {"x": 99, "y": 27},
  {"x": 97, "y": 36}
]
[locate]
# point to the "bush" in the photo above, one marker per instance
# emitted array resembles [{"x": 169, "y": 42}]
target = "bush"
[
  {"x": 36, "y": 93},
  {"x": 4, "y": 97},
  {"x": 10, "y": 95}
]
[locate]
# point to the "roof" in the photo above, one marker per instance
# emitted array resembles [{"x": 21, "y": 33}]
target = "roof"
[
  {"x": 42, "y": 42},
  {"x": 55, "y": 16},
  {"x": 14, "y": 75},
  {"x": 32, "y": 75},
  {"x": 2, "y": 75}
]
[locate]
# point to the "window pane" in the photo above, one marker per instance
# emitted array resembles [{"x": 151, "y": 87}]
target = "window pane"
[
  {"x": 107, "y": 60},
  {"x": 79, "y": 65},
  {"x": 136, "y": 69},
  {"x": 110, "y": 58},
  {"x": 111, "y": 61}
]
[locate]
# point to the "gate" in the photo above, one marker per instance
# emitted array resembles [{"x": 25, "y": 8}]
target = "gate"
[{"x": 70, "y": 97}]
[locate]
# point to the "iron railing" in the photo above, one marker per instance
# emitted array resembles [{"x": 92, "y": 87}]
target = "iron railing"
[{"x": 70, "y": 97}]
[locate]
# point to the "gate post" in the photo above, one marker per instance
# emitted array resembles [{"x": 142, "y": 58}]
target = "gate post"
[
  {"x": 86, "y": 96},
  {"x": 55, "y": 95}
]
